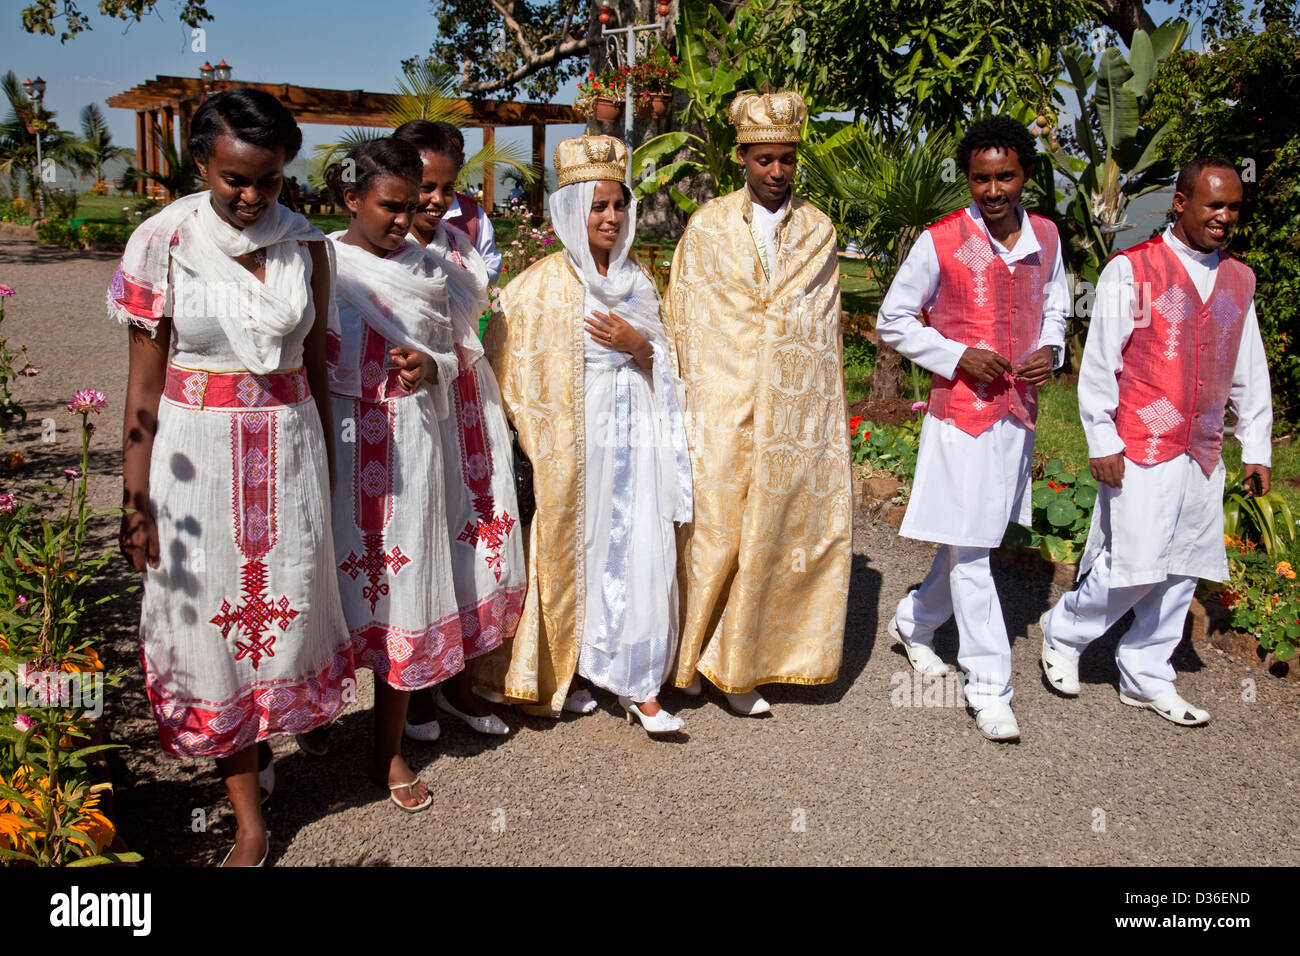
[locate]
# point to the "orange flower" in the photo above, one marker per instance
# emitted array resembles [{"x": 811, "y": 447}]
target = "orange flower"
[
  {"x": 1285, "y": 570},
  {"x": 89, "y": 663},
  {"x": 16, "y": 460}
]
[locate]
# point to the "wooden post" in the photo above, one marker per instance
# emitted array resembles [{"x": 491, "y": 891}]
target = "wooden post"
[
  {"x": 489, "y": 171},
  {"x": 169, "y": 136},
  {"x": 186, "y": 114},
  {"x": 538, "y": 192},
  {"x": 141, "y": 142}
]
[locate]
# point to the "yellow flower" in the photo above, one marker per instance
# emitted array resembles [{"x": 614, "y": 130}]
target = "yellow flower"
[{"x": 1284, "y": 570}]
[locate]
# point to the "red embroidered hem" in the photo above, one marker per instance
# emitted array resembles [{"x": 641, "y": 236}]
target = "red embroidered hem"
[
  {"x": 410, "y": 660},
  {"x": 219, "y": 729}
]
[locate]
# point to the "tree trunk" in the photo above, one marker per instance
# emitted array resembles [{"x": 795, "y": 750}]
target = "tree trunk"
[
  {"x": 1126, "y": 16},
  {"x": 887, "y": 374}
]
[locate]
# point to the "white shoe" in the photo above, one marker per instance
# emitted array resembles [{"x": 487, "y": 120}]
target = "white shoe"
[
  {"x": 921, "y": 657},
  {"x": 491, "y": 724},
  {"x": 1171, "y": 707},
  {"x": 1061, "y": 670},
  {"x": 748, "y": 705},
  {"x": 694, "y": 688},
  {"x": 427, "y": 732},
  {"x": 661, "y": 723},
  {"x": 580, "y": 702},
  {"x": 997, "y": 722}
]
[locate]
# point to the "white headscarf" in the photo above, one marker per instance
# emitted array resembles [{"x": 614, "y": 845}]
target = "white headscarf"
[
  {"x": 625, "y": 288},
  {"x": 628, "y": 292}
]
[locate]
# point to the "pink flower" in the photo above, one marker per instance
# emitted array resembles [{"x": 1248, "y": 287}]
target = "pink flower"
[
  {"x": 8, "y": 504},
  {"x": 548, "y": 242},
  {"x": 88, "y": 400},
  {"x": 21, "y": 601},
  {"x": 71, "y": 474},
  {"x": 23, "y": 723},
  {"x": 6, "y": 291},
  {"x": 918, "y": 406}
]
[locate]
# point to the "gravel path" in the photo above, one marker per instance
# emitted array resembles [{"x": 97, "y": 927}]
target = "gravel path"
[{"x": 837, "y": 774}]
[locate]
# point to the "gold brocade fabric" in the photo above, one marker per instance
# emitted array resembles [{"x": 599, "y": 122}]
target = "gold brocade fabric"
[
  {"x": 764, "y": 569},
  {"x": 535, "y": 347}
]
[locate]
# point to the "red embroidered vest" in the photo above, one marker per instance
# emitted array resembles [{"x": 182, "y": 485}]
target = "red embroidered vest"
[
  {"x": 1178, "y": 363},
  {"x": 467, "y": 221},
  {"x": 984, "y": 304}
]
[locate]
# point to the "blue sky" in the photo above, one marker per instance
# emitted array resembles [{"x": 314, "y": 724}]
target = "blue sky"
[{"x": 340, "y": 44}]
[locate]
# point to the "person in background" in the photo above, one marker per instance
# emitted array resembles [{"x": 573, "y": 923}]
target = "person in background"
[
  {"x": 467, "y": 215},
  {"x": 391, "y": 368},
  {"x": 487, "y": 552}
]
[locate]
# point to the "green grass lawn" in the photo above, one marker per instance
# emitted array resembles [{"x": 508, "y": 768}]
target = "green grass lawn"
[{"x": 104, "y": 208}]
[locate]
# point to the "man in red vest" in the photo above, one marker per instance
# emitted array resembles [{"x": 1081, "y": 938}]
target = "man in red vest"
[
  {"x": 989, "y": 283},
  {"x": 1173, "y": 338}
]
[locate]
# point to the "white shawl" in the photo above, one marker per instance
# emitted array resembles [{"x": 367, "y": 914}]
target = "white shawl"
[
  {"x": 403, "y": 297},
  {"x": 206, "y": 245}
]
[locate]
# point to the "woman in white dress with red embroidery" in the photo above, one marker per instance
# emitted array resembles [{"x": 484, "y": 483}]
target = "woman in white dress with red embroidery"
[
  {"x": 487, "y": 549},
  {"x": 227, "y": 455},
  {"x": 391, "y": 371}
]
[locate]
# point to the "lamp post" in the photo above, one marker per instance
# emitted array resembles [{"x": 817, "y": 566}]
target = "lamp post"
[
  {"x": 610, "y": 36},
  {"x": 35, "y": 90},
  {"x": 214, "y": 75}
]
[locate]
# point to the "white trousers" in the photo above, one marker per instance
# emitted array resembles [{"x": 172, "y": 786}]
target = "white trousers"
[
  {"x": 1085, "y": 614},
  {"x": 960, "y": 583}
]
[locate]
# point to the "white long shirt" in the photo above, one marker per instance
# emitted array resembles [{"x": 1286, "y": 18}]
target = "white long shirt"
[
  {"x": 967, "y": 487},
  {"x": 1165, "y": 519},
  {"x": 485, "y": 244}
]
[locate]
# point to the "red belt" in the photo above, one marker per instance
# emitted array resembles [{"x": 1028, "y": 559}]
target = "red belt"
[{"x": 201, "y": 389}]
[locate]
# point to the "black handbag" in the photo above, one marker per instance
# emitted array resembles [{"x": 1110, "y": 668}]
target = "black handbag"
[{"x": 523, "y": 481}]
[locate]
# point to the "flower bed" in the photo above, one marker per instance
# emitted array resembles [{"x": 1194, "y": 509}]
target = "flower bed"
[
  {"x": 99, "y": 236},
  {"x": 52, "y": 681}
]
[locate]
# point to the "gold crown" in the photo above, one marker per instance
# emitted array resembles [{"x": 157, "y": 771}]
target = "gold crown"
[
  {"x": 768, "y": 117},
  {"x": 590, "y": 158}
]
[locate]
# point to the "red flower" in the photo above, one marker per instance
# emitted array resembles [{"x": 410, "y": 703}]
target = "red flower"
[
  {"x": 855, "y": 423},
  {"x": 866, "y": 435}
]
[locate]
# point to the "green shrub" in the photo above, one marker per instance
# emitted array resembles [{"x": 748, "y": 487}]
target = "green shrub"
[{"x": 1063, "y": 503}]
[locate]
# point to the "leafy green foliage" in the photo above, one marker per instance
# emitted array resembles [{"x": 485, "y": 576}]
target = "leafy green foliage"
[
  {"x": 894, "y": 61},
  {"x": 1062, "y": 513},
  {"x": 890, "y": 448},
  {"x": 1114, "y": 156},
  {"x": 1229, "y": 103},
  {"x": 882, "y": 191},
  {"x": 1263, "y": 597},
  {"x": 39, "y": 17},
  {"x": 1264, "y": 518}
]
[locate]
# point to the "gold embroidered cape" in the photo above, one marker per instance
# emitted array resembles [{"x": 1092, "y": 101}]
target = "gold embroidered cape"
[
  {"x": 534, "y": 343},
  {"x": 764, "y": 568}
]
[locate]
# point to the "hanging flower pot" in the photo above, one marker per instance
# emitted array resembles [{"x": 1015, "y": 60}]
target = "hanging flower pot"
[
  {"x": 653, "y": 105},
  {"x": 606, "y": 110}
]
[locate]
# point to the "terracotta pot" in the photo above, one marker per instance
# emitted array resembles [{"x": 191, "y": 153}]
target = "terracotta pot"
[
  {"x": 606, "y": 110},
  {"x": 654, "y": 105}
]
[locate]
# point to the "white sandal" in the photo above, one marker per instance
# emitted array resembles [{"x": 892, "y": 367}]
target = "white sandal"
[
  {"x": 1061, "y": 670},
  {"x": 1171, "y": 707},
  {"x": 921, "y": 657},
  {"x": 580, "y": 702}
]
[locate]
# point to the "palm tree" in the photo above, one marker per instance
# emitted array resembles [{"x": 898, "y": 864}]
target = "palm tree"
[
  {"x": 18, "y": 145},
  {"x": 96, "y": 148},
  {"x": 882, "y": 192},
  {"x": 428, "y": 91},
  {"x": 179, "y": 175}
]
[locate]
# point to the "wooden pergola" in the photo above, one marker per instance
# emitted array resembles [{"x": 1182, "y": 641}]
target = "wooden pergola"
[{"x": 166, "y": 104}]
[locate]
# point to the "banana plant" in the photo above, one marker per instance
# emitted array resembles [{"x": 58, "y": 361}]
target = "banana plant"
[
  {"x": 1120, "y": 158},
  {"x": 429, "y": 91},
  {"x": 713, "y": 67},
  {"x": 1263, "y": 518}
]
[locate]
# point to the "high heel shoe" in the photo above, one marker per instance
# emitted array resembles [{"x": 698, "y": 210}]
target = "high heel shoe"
[
  {"x": 262, "y": 862},
  {"x": 660, "y": 723}
]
